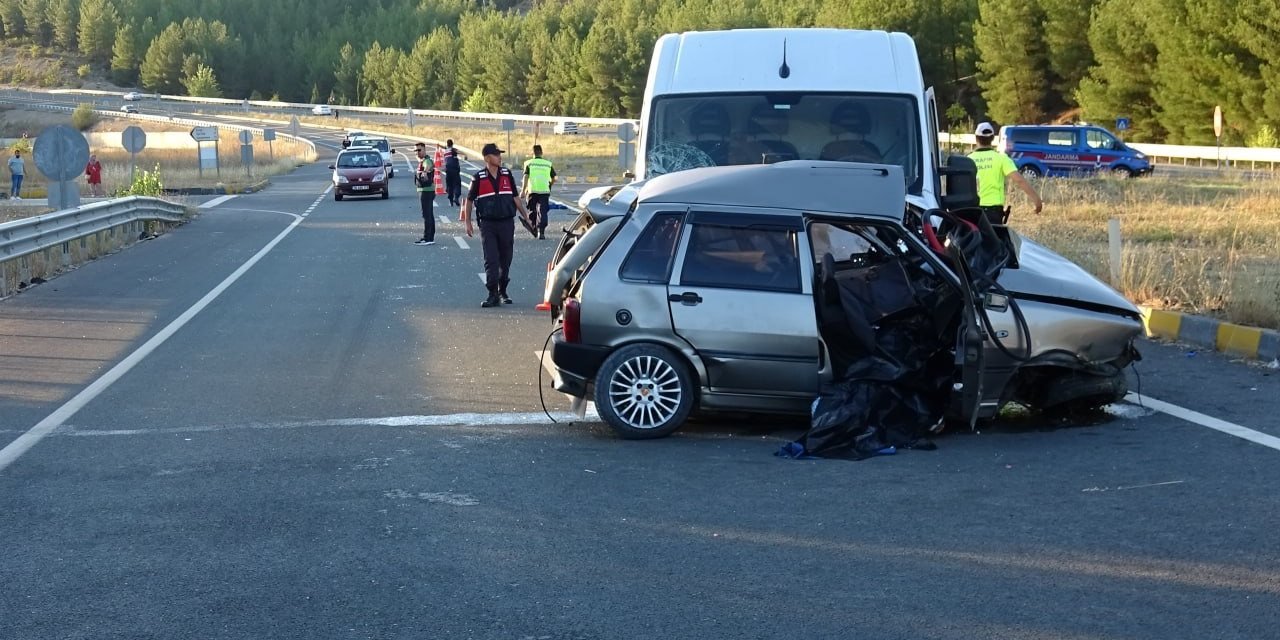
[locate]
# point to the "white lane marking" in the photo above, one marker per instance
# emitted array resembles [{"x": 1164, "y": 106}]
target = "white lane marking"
[
  {"x": 483, "y": 278},
  {"x": 443, "y": 220},
  {"x": 24, "y": 442},
  {"x": 1206, "y": 421},
  {"x": 461, "y": 243},
  {"x": 216, "y": 201},
  {"x": 488, "y": 420}
]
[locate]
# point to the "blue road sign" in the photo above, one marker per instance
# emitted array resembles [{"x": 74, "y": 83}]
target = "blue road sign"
[{"x": 1122, "y": 124}]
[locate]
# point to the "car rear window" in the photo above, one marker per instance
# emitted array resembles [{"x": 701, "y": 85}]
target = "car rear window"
[{"x": 650, "y": 257}]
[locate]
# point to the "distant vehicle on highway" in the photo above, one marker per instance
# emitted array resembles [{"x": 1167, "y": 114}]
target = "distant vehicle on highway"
[
  {"x": 128, "y": 108},
  {"x": 322, "y": 110},
  {"x": 1070, "y": 150},
  {"x": 359, "y": 171},
  {"x": 381, "y": 144},
  {"x": 565, "y": 127},
  {"x": 133, "y": 95}
]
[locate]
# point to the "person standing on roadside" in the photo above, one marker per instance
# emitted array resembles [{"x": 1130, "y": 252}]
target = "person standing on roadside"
[
  {"x": 496, "y": 200},
  {"x": 93, "y": 172},
  {"x": 452, "y": 174},
  {"x": 17, "y": 169},
  {"x": 424, "y": 179},
  {"x": 994, "y": 167},
  {"x": 539, "y": 176}
]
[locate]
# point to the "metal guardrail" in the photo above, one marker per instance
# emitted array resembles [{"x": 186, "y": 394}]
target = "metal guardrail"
[{"x": 31, "y": 235}]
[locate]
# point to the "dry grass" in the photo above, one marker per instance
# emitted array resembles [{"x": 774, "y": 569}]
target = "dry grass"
[{"x": 1209, "y": 247}]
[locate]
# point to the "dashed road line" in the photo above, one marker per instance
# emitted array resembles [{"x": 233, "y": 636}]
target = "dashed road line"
[
  {"x": 483, "y": 278},
  {"x": 443, "y": 220},
  {"x": 461, "y": 243}
]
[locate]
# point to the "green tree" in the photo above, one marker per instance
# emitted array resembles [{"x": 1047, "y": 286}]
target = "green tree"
[
  {"x": 97, "y": 30},
  {"x": 381, "y": 86},
  {"x": 202, "y": 82},
  {"x": 1069, "y": 55},
  {"x": 35, "y": 15},
  {"x": 65, "y": 15},
  {"x": 1011, "y": 61},
  {"x": 1257, "y": 25},
  {"x": 124, "y": 56},
  {"x": 1121, "y": 82},
  {"x": 83, "y": 117},
  {"x": 11, "y": 17},
  {"x": 161, "y": 66},
  {"x": 346, "y": 74}
]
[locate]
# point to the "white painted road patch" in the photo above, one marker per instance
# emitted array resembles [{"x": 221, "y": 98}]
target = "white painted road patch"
[
  {"x": 440, "y": 497},
  {"x": 216, "y": 201},
  {"x": 1203, "y": 420},
  {"x": 462, "y": 244}
]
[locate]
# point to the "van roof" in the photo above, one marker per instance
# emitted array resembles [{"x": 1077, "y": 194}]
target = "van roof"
[
  {"x": 816, "y": 60},
  {"x": 830, "y": 187}
]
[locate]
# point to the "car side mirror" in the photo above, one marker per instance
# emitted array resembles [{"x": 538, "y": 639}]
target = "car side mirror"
[
  {"x": 960, "y": 183},
  {"x": 629, "y": 175},
  {"x": 331, "y": 167},
  {"x": 393, "y": 151}
]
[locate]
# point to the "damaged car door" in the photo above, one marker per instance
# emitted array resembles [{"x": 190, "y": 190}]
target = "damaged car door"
[{"x": 742, "y": 298}]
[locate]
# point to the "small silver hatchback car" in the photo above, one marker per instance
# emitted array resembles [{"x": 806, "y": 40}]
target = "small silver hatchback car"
[{"x": 747, "y": 288}]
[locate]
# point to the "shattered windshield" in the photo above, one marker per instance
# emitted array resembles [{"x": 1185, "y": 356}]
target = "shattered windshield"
[{"x": 687, "y": 132}]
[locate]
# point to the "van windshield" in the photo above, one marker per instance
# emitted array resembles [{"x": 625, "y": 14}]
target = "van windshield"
[{"x": 686, "y": 132}]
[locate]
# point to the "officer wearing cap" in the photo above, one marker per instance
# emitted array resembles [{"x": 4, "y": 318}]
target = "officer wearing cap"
[
  {"x": 494, "y": 196},
  {"x": 993, "y": 168}
]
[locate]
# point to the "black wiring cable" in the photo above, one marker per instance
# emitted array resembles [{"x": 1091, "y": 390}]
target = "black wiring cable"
[
  {"x": 542, "y": 398},
  {"x": 1134, "y": 365}
]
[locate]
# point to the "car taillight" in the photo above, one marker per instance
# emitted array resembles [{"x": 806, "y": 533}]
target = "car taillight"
[{"x": 572, "y": 321}]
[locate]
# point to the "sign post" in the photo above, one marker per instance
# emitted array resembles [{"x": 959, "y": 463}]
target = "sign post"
[
  {"x": 293, "y": 126},
  {"x": 410, "y": 120},
  {"x": 134, "y": 140},
  {"x": 508, "y": 126},
  {"x": 246, "y": 151},
  {"x": 269, "y": 136},
  {"x": 1217, "y": 131},
  {"x": 1122, "y": 125},
  {"x": 204, "y": 158},
  {"x": 61, "y": 154},
  {"x": 626, "y": 144}
]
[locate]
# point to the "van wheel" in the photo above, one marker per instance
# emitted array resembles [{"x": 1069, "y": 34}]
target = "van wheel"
[
  {"x": 1030, "y": 171},
  {"x": 643, "y": 391},
  {"x": 1122, "y": 172}
]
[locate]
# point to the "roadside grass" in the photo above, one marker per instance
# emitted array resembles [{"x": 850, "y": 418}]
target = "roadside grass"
[
  {"x": 179, "y": 168},
  {"x": 1203, "y": 246}
]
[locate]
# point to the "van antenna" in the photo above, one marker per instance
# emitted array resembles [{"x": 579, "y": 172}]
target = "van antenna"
[{"x": 784, "y": 71}]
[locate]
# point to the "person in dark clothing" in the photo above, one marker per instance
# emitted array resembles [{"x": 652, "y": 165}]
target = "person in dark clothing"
[
  {"x": 452, "y": 175},
  {"x": 495, "y": 198},
  {"x": 424, "y": 179}
]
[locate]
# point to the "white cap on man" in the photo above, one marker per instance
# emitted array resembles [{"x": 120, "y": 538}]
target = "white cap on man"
[{"x": 985, "y": 130}]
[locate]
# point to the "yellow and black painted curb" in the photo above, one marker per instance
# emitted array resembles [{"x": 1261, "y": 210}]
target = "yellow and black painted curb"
[{"x": 1233, "y": 339}]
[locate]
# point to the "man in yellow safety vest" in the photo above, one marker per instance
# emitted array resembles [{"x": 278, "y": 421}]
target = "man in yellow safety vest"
[{"x": 539, "y": 175}]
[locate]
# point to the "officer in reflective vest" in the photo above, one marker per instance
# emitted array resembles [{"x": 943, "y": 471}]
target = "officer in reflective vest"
[
  {"x": 994, "y": 167},
  {"x": 539, "y": 175},
  {"x": 496, "y": 201}
]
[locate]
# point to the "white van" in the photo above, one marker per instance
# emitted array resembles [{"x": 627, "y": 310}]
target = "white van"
[
  {"x": 382, "y": 145},
  {"x": 753, "y": 96}
]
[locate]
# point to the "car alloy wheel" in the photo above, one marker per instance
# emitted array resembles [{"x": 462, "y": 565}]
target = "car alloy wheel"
[{"x": 644, "y": 391}]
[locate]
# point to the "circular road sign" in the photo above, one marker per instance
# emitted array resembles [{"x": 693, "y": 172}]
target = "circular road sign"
[
  {"x": 133, "y": 138},
  {"x": 61, "y": 153},
  {"x": 246, "y": 136},
  {"x": 1217, "y": 121}
]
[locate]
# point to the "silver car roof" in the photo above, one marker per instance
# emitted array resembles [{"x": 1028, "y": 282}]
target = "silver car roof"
[{"x": 848, "y": 188}]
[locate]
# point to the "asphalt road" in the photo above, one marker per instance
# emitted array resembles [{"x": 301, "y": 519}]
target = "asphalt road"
[{"x": 342, "y": 444}]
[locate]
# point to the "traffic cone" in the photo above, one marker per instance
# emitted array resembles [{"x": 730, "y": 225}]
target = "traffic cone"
[{"x": 439, "y": 161}]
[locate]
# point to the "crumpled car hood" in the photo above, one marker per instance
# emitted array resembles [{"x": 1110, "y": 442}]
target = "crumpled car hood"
[{"x": 1045, "y": 274}]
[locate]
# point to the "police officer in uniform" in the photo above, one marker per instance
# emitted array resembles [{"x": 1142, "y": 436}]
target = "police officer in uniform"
[
  {"x": 452, "y": 175},
  {"x": 424, "y": 181},
  {"x": 495, "y": 198},
  {"x": 539, "y": 175},
  {"x": 993, "y": 168}
]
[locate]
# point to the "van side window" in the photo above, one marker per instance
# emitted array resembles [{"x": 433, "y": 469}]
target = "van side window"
[
  {"x": 1099, "y": 139},
  {"x": 1062, "y": 138},
  {"x": 764, "y": 258},
  {"x": 650, "y": 257}
]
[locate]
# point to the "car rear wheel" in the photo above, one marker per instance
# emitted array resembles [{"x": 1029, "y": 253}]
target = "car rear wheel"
[
  {"x": 1030, "y": 171},
  {"x": 386, "y": 193},
  {"x": 644, "y": 391}
]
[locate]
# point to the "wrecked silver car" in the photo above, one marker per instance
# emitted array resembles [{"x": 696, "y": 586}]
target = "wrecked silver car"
[{"x": 718, "y": 289}]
